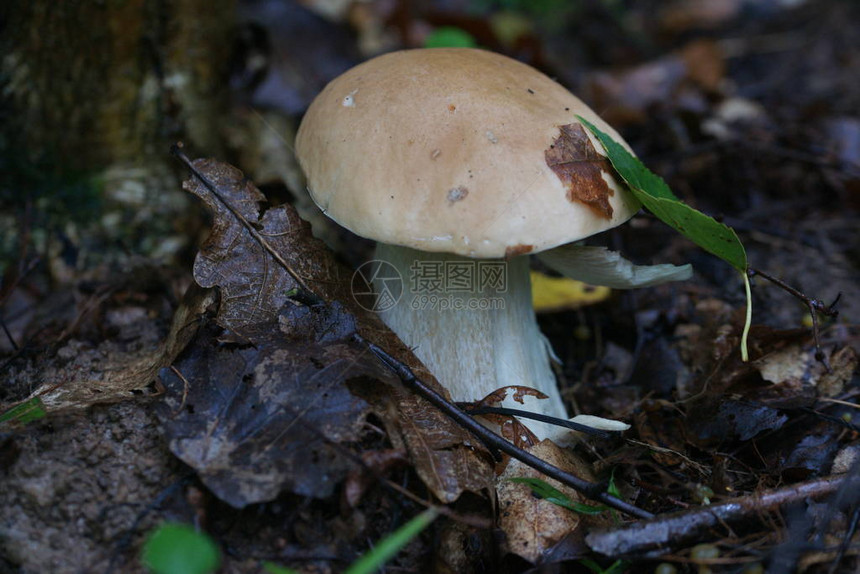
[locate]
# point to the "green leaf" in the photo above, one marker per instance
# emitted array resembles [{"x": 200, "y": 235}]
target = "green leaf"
[
  {"x": 612, "y": 487},
  {"x": 551, "y": 494},
  {"x": 391, "y": 545},
  {"x": 450, "y": 37},
  {"x": 649, "y": 188},
  {"x": 615, "y": 568},
  {"x": 179, "y": 549},
  {"x": 27, "y": 411},
  {"x": 706, "y": 232}
]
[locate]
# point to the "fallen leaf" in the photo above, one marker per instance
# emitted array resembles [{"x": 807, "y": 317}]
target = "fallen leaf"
[
  {"x": 253, "y": 285},
  {"x": 256, "y": 420},
  {"x": 737, "y": 418},
  {"x": 533, "y": 525},
  {"x": 843, "y": 365},
  {"x": 495, "y": 398},
  {"x": 580, "y": 168},
  {"x": 509, "y": 426},
  {"x": 705, "y": 64},
  {"x": 448, "y": 460},
  {"x": 784, "y": 364},
  {"x": 796, "y": 367},
  {"x": 98, "y": 375},
  {"x": 552, "y": 294},
  {"x": 247, "y": 258}
]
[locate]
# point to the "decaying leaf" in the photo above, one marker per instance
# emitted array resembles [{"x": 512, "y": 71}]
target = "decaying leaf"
[
  {"x": 510, "y": 426},
  {"x": 769, "y": 411},
  {"x": 797, "y": 366},
  {"x": 290, "y": 382},
  {"x": 533, "y": 525},
  {"x": 443, "y": 457},
  {"x": 109, "y": 377},
  {"x": 739, "y": 419},
  {"x": 495, "y": 398},
  {"x": 253, "y": 285},
  {"x": 256, "y": 420},
  {"x": 580, "y": 168}
]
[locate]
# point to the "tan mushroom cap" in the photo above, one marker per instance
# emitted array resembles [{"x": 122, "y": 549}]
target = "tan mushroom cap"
[{"x": 447, "y": 149}]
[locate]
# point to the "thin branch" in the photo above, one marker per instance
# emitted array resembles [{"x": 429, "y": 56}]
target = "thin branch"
[
  {"x": 658, "y": 536},
  {"x": 815, "y": 306},
  {"x": 595, "y": 432},
  {"x": 497, "y": 443},
  {"x": 846, "y": 540},
  {"x": 6, "y": 291},
  {"x": 8, "y": 334}
]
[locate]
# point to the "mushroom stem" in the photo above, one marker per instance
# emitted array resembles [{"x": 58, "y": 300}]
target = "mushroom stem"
[{"x": 475, "y": 330}]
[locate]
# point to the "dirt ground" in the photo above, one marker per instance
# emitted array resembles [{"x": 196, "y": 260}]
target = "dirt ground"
[{"x": 751, "y": 112}]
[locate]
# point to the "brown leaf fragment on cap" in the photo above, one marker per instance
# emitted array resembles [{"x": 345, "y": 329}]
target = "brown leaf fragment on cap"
[
  {"x": 515, "y": 250},
  {"x": 577, "y": 164}
]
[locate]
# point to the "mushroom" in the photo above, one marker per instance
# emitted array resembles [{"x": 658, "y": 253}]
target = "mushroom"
[{"x": 459, "y": 163}]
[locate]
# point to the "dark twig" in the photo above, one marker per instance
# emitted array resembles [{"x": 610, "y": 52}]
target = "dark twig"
[
  {"x": 6, "y": 291},
  {"x": 815, "y": 306},
  {"x": 846, "y": 500},
  {"x": 660, "y": 535},
  {"x": 305, "y": 293},
  {"x": 599, "y": 433},
  {"x": 846, "y": 540},
  {"x": 497, "y": 443},
  {"x": 8, "y": 334}
]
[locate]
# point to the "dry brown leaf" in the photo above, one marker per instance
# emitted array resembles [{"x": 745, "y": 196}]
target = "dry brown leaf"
[
  {"x": 98, "y": 377},
  {"x": 495, "y": 398},
  {"x": 533, "y": 525},
  {"x": 705, "y": 64},
  {"x": 796, "y": 366},
  {"x": 509, "y": 426},
  {"x": 577, "y": 164},
  {"x": 255, "y": 420},
  {"x": 255, "y": 291}
]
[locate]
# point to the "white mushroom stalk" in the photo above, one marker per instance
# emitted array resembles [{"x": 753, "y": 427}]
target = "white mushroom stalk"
[
  {"x": 475, "y": 338},
  {"x": 481, "y": 333}
]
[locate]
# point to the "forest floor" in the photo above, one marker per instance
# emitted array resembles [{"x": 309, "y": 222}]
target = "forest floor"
[{"x": 751, "y": 113}]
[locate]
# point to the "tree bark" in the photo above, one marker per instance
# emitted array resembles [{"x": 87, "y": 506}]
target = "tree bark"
[{"x": 103, "y": 89}]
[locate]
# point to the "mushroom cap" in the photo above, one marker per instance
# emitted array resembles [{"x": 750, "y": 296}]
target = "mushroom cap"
[{"x": 459, "y": 150}]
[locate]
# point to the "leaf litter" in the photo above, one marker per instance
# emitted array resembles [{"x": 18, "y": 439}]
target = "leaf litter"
[
  {"x": 275, "y": 396},
  {"x": 734, "y": 177}
]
